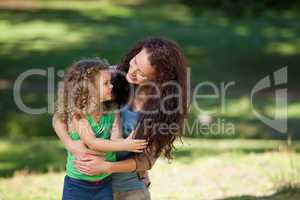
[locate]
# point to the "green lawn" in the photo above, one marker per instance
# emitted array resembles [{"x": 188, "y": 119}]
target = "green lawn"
[
  {"x": 53, "y": 33},
  {"x": 218, "y": 47},
  {"x": 202, "y": 169}
]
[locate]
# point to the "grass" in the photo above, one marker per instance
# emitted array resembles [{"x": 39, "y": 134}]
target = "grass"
[
  {"x": 219, "y": 48},
  {"x": 201, "y": 169},
  {"x": 54, "y": 34},
  {"x": 42, "y": 34}
]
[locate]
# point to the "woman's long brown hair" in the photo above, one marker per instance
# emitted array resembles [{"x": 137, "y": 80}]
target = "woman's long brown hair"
[{"x": 170, "y": 66}]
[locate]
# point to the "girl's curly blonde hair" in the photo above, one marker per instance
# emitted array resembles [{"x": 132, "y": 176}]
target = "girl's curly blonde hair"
[{"x": 74, "y": 98}]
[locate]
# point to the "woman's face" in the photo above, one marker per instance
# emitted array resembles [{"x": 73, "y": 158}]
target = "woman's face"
[{"x": 140, "y": 69}]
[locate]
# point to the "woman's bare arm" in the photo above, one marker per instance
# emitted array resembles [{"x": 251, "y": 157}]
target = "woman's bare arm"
[
  {"x": 139, "y": 163},
  {"x": 93, "y": 165},
  {"x": 116, "y": 132},
  {"x": 98, "y": 144},
  {"x": 96, "y": 165}
]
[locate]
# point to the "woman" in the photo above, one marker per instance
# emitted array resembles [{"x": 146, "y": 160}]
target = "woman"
[{"x": 158, "y": 66}]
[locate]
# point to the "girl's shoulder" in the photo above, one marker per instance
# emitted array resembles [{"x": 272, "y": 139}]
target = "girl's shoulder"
[{"x": 108, "y": 117}]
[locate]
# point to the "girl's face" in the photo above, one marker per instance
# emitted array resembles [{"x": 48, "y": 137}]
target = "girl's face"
[
  {"x": 140, "y": 69},
  {"x": 104, "y": 86}
]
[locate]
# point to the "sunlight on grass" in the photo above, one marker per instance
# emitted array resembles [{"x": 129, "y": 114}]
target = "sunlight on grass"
[
  {"x": 37, "y": 35},
  {"x": 218, "y": 48},
  {"x": 100, "y": 10},
  {"x": 282, "y": 32},
  {"x": 242, "y": 31},
  {"x": 34, "y": 187},
  {"x": 282, "y": 179},
  {"x": 21, "y": 125},
  {"x": 284, "y": 48},
  {"x": 238, "y": 112},
  {"x": 223, "y": 174},
  {"x": 294, "y": 110},
  {"x": 235, "y": 107},
  {"x": 179, "y": 13},
  {"x": 213, "y": 169},
  {"x": 42, "y": 36},
  {"x": 238, "y": 107},
  {"x": 37, "y": 29},
  {"x": 106, "y": 6},
  {"x": 229, "y": 145},
  {"x": 7, "y": 165}
]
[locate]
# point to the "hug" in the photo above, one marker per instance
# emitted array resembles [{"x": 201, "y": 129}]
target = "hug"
[{"x": 109, "y": 119}]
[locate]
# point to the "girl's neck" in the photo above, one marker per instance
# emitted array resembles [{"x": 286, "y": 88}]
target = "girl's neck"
[{"x": 97, "y": 114}]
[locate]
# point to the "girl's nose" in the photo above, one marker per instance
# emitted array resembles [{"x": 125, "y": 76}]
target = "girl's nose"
[{"x": 111, "y": 86}]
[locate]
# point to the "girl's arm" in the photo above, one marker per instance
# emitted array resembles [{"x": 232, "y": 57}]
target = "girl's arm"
[
  {"x": 60, "y": 129},
  {"x": 77, "y": 148},
  {"x": 87, "y": 136}
]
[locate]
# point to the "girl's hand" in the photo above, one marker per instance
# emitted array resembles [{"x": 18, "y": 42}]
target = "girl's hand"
[
  {"x": 131, "y": 135},
  {"x": 92, "y": 165},
  {"x": 135, "y": 145},
  {"x": 79, "y": 150}
]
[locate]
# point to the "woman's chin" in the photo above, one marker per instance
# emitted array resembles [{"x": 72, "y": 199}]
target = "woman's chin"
[{"x": 130, "y": 80}]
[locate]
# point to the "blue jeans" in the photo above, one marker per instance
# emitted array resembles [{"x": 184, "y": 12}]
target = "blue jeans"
[{"x": 75, "y": 189}]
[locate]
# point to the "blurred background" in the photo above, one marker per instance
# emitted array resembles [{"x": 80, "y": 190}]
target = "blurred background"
[{"x": 224, "y": 40}]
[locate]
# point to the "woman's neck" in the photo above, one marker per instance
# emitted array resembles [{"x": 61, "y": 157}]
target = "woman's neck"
[{"x": 137, "y": 104}]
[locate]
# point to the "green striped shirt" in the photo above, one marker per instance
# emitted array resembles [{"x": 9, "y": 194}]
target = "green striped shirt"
[{"x": 102, "y": 130}]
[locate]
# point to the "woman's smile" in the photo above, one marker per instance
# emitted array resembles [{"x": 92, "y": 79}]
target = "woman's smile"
[{"x": 131, "y": 77}]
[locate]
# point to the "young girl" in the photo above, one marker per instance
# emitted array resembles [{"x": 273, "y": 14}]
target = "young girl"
[{"x": 81, "y": 100}]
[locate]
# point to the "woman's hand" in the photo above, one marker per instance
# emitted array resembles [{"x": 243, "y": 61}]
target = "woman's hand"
[
  {"x": 79, "y": 150},
  {"x": 92, "y": 165}
]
